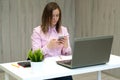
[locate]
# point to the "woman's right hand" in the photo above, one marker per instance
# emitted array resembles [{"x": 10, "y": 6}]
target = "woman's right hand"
[{"x": 52, "y": 44}]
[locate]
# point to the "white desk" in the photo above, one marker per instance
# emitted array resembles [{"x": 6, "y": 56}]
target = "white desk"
[{"x": 52, "y": 70}]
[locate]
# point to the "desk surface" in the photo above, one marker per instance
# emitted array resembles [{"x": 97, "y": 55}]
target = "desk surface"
[{"x": 51, "y": 69}]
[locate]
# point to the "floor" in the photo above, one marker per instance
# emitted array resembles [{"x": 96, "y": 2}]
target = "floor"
[
  {"x": 93, "y": 76},
  {"x": 88, "y": 76}
]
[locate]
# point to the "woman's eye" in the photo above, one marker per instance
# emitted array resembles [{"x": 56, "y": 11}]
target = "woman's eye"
[{"x": 57, "y": 15}]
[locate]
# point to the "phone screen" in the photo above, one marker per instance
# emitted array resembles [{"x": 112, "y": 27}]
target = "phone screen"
[{"x": 61, "y": 37}]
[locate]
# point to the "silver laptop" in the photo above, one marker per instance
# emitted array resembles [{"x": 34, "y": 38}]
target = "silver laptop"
[{"x": 89, "y": 51}]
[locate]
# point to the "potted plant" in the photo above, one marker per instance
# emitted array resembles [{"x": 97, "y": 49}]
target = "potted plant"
[{"x": 36, "y": 57}]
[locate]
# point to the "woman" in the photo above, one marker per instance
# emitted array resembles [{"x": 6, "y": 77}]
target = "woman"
[{"x": 50, "y": 36}]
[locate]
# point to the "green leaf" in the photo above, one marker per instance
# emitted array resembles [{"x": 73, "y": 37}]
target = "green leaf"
[
  {"x": 36, "y": 56},
  {"x": 30, "y": 54}
]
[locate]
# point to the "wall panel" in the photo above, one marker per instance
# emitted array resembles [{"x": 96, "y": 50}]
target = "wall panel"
[
  {"x": 21, "y": 27},
  {"x": 1, "y": 55},
  {"x": 5, "y": 31}
]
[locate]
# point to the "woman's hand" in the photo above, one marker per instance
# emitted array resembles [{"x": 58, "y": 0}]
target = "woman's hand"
[
  {"x": 64, "y": 41},
  {"x": 52, "y": 44},
  {"x": 55, "y": 43}
]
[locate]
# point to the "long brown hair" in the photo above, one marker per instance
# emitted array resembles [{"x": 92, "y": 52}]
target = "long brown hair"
[{"x": 47, "y": 17}]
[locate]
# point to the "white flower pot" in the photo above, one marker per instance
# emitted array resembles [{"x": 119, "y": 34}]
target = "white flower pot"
[{"x": 37, "y": 67}]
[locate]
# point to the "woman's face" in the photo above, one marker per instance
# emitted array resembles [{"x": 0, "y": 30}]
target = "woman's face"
[{"x": 55, "y": 17}]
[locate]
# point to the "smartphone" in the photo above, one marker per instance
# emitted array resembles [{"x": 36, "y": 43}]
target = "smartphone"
[
  {"x": 61, "y": 37},
  {"x": 24, "y": 64}
]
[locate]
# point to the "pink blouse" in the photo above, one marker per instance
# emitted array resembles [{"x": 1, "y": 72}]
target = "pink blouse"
[{"x": 40, "y": 40}]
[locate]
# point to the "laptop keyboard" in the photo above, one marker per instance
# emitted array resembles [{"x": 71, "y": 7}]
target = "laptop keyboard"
[{"x": 68, "y": 62}]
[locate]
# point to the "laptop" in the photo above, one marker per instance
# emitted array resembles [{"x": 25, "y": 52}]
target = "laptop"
[{"x": 89, "y": 51}]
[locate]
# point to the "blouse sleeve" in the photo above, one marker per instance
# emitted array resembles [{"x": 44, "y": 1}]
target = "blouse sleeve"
[
  {"x": 66, "y": 51},
  {"x": 36, "y": 41},
  {"x": 35, "y": 38}
]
